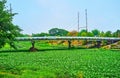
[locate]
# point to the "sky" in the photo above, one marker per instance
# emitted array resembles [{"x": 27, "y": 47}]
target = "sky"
[{"x": 36, "y": 16}]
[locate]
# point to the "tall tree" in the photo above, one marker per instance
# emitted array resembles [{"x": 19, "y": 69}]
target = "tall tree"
[
  {"x": 73, "y": 33},
  {"x": 58, "y": 32},
  {"x": 82, "y": 33},
  {"x": 117, "y": 33},
  {"x": 90, "y": 34},
  {"x": 108, "y": 34},
  {"x": 102, "y": 34},
  {"x": 8, "y": 31},
  {"x": 96, "y": 32}
]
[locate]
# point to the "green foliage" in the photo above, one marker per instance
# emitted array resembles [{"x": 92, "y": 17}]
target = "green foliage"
[
  {"x": 116, "y": 34},
  {"x": 58, "y": 32},
  {"x": 108, "y": 34},
  {"x": 82, "y": 33},
  {"x": 90, "y": 34},
  {"x": 24, "y": 35},
  {"x": 96, "y": 32},
  {"x": 90, "y": 63},
  {"x": 8, "y": 31},
  {"x": 73, "y": 33},
  {"x": 102, "y": 34}
]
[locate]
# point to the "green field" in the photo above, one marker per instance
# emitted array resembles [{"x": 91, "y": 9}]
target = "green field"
[{"x": 66, "y": 63}]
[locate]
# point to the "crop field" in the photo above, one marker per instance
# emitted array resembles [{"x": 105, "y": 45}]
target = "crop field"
[{"x": 67, "y": 63}]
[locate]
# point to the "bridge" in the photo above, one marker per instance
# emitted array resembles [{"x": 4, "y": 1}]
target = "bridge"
[
  {"x": 66, "y": 38},
  {"x": 110, "y": 40}
]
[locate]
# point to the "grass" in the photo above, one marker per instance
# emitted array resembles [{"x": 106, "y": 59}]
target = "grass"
[
  {"x": 25, "y": 45},
  {"x": 73, "y": 63}
]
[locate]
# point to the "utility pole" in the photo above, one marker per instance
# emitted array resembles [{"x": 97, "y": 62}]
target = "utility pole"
[
  {"x": 11, "y": 11},
  {"x": 86, "y": 20},
  {"x": 10, "y": 8},
  {"x": 78, "y": 22}
]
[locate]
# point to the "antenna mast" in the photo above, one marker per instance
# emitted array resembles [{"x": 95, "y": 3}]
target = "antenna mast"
[
  {"x": 78, "y": 22},
  {"x": 86, "y": 20},
  {"x": 10, "y": 9}
]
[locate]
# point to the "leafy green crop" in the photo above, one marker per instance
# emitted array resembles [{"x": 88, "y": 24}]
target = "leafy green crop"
[{"x": 86, "y": 63}]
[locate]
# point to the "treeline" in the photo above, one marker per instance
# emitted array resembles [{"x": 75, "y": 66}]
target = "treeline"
[{"x": 83, "y": 33}]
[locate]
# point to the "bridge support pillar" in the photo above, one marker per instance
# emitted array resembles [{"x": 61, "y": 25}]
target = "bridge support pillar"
[
  {"x": 69, "y": 44},
  {"x": 33, "y": 49},
  {"x": 98, "y": 45},
  {"x": 109, "y": 42}
]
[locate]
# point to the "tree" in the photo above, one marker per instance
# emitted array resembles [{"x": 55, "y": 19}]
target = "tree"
[
  {"x": 73, "y": 33},
  {"x": 90, "y": 34},
  {"x": 108, "y": 34},
  {"x": 96, "y": 32},
  {"x": 24, "y": 35},
  {"x": 82, "y": 33},
  {"x": 117, "y": 33},
  {"x": 102, "y": 34},
  {"x": 8, "y": 31},
  {"x": 58, "y": 32}
]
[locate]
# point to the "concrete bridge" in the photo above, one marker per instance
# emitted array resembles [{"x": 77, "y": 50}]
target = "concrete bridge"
[
  {"x": 109, "y": 40},
  {"x": 66, "y": 38}
]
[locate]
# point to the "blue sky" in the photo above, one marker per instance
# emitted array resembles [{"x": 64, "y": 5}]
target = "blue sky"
[{"x": 36, "y": 16}]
